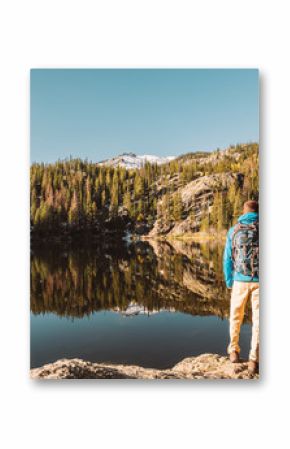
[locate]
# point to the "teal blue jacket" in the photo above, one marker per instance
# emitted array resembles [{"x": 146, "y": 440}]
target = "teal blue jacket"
[{"x": 229, "y": 273}]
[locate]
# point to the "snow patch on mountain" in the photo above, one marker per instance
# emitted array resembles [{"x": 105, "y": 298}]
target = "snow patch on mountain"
[{"x": 131, "y": 160}]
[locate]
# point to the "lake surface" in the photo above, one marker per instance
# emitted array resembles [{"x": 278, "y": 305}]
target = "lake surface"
[{"x": 149, "y": 304}]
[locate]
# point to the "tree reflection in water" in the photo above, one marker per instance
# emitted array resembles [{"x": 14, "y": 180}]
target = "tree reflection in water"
[{"x": 139, "y": 277}]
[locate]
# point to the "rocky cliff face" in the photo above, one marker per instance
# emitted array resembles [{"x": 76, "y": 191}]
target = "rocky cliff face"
[
  {"x": 197, "y": 198},
  {"x": 205, "y": 366}
]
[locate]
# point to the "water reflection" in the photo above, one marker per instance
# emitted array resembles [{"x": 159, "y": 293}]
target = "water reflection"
[
  {"x": 150, "y": 304},
  {"x": 132, "y": 279}
]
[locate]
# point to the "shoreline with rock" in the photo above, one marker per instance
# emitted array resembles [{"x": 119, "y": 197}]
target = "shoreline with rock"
[{"x": 204, "y": 366}]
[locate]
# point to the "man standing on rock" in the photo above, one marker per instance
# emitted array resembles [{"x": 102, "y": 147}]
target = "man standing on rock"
[{"x": 241, "y": 271}]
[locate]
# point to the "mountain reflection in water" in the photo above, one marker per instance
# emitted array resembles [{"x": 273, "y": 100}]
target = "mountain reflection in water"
[{"x": 132, "y": 279}]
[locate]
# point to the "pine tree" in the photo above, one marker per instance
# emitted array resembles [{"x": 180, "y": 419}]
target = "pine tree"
[
  {"x": 74, "y": 215},
  {"x": 220, "y": 216},
  {"x": 177, "y": 206},
  {"x": 127, "y": 202},
  {"x": 237, "y": 205},
  {"x": 115, "y": 194},
  {"x": 104, "y": 197},
  {"x": 138, "y": 185}
]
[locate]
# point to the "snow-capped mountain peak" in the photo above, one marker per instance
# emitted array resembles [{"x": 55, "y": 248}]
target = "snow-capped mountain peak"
[{"x": 131, "y": 160}]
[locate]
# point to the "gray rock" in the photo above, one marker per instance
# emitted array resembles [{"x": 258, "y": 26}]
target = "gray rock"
[{"x": 205, "y": 366}]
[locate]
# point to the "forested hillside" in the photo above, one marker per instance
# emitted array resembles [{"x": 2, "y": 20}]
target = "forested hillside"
[{"x": 205, "y": 190}]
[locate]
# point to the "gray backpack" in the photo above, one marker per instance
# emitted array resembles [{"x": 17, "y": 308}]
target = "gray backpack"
[{"x": 245, "y": 249}]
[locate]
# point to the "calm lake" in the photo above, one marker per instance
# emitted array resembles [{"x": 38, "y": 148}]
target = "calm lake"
[{"x": 149, "y": 304}]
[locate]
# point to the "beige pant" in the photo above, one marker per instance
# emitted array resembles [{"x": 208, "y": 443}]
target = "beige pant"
[{"x": 241, "y": 292}]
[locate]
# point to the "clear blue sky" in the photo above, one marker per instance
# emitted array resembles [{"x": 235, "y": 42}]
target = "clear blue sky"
[{"x": 97, "y": 114}]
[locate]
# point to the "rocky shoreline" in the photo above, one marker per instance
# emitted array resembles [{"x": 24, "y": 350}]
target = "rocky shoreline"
[{"x": 205, "y": 366}]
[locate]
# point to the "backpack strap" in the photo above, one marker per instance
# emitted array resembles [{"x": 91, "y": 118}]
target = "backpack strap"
[
  {"x": 256, "y": 251},
  {"x": 237, "y": 228}
]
